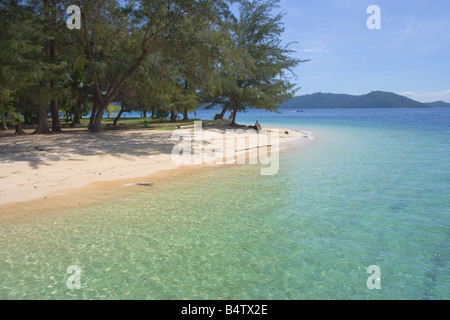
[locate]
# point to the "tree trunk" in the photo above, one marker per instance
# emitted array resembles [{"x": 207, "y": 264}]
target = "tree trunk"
[
  {"x": 185, "y": 113},
  {"x": 118, "y": 117},
  {"x": 222, "y": 114},
  {"x": 42, "y": 120},
  {"x": 4, "y": 126},
  {"x": 145, "y": 113},
  {"x": 93, "y": 113},
  {"x": 56, "y": 123},
  {"x": 173, "y": 115},
  {"x": 96, "y": 126},
  {"x": 234, "y": 112},
  {"x": 154, "y": 112},
  {"x": 76, "y": 117},
  {"x": 54, "y": 108},
  {"x": 19, "y": 130},
  {"x": 231, "y": 115}
]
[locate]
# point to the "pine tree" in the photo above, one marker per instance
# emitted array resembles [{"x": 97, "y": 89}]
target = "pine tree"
[
  {"x": 20, "y": 53},
  {"x": 119, "y": 36},
  {"x": 254, "y": 71}
]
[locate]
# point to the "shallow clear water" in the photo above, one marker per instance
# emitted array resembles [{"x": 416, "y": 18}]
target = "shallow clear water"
[{"x": 373, "y": 188}]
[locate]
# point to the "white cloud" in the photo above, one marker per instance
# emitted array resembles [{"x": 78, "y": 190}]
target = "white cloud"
[
  {"x": 320, "y": 50},
  {"x": 428, "y": 96}
]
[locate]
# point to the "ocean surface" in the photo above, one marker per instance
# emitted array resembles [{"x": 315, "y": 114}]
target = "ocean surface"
[{"x": 371, "y": 189}]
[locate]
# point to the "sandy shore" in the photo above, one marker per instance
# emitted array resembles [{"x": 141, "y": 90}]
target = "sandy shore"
[{"x": 43, "y": 167}]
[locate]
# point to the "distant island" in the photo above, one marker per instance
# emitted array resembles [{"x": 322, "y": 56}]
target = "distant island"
[{"x": 375, "y": 99}]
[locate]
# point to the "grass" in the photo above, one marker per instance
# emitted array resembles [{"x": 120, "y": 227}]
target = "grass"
[
  {"x": 123, "y": 124},
  {"x": 136, "y": 123}
]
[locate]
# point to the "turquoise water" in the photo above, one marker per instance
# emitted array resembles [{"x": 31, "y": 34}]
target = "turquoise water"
[{"x": 373, "y": 188}]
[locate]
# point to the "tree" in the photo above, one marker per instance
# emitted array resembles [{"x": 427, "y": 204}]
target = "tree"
[
  {"x": 20, "y": 53},
  {"x": 254, "y": 74},
  {"x": 53, "y": 15},
  {"x": 194, "y": 65},
  {"x": 171, "y": 79},
  {"x": 77, "y": 90},
  {"x": 139, "y": 29},
  {"x": 53, "y": 32},
  {"x": 142, "y": 91}
]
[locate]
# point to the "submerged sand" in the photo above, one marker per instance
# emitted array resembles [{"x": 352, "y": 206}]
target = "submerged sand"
[{"x": 81, "y": 165}]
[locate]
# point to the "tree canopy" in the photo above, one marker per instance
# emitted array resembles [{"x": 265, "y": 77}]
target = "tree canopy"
[{"x": 171, "y": 55}]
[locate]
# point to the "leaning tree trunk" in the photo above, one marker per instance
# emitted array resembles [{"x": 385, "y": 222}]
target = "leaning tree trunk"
[
  {"x": 42, "y": 127},
  {"x": 118, "y": 117},
  {"x": 4, "y": 126},
  {"x": 222, "y": 114},
  {"x": 234, "y": 113},
  {"x": 185, "y": 115}
]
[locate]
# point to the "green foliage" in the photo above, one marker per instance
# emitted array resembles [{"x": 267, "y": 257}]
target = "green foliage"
[
  {"x": 165, "y": 55},
  {"x": 162, "y": 114},
  {"x": 20, "y": 53},
  {"x": 253, "y": 72}
]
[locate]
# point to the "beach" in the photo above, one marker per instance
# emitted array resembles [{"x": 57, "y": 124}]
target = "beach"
[
  {"x": 79, "y": 168},
  {"x": 210, "y": 232}
]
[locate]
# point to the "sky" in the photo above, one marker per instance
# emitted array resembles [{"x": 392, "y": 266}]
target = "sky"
[{"x": 409, "y": 55}]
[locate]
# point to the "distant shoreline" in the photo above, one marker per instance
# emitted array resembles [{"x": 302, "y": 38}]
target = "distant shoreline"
[{"x": 372, "y": 100}]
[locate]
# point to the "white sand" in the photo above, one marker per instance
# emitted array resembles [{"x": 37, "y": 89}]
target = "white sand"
[{"x": 44, "y": 166}]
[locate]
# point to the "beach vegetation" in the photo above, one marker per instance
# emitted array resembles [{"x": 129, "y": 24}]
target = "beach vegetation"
[
  {"x": 154, "y": 56},
  {"x": 255, "y": 72}
]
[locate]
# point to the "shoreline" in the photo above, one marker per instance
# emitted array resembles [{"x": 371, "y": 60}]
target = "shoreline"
[{"x": 68, "y": 175}]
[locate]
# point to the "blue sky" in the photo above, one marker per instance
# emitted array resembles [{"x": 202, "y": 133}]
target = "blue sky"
[{"x": 409, "y": 55}]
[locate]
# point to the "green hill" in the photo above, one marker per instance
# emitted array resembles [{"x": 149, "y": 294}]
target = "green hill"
[
  {"x": 439, "y": 104},
  {"x": 380, "y": 99},
  {"x": 375, "y": 99},
  {"x": 318, "y": 101}
]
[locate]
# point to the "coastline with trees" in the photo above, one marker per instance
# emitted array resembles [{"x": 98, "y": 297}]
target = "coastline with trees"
[{"x": 150, "y": 56}]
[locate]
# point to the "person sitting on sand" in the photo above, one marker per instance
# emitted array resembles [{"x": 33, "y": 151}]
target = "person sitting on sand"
[{"x": 257, "y": 126}]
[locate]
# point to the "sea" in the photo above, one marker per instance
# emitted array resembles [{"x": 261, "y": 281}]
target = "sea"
[{"x": 359, "y": 212}]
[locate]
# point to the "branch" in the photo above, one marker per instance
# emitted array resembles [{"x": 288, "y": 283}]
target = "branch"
[
  {"x": 90, "y": 56},
  {"x": 161, "y": 29}
]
